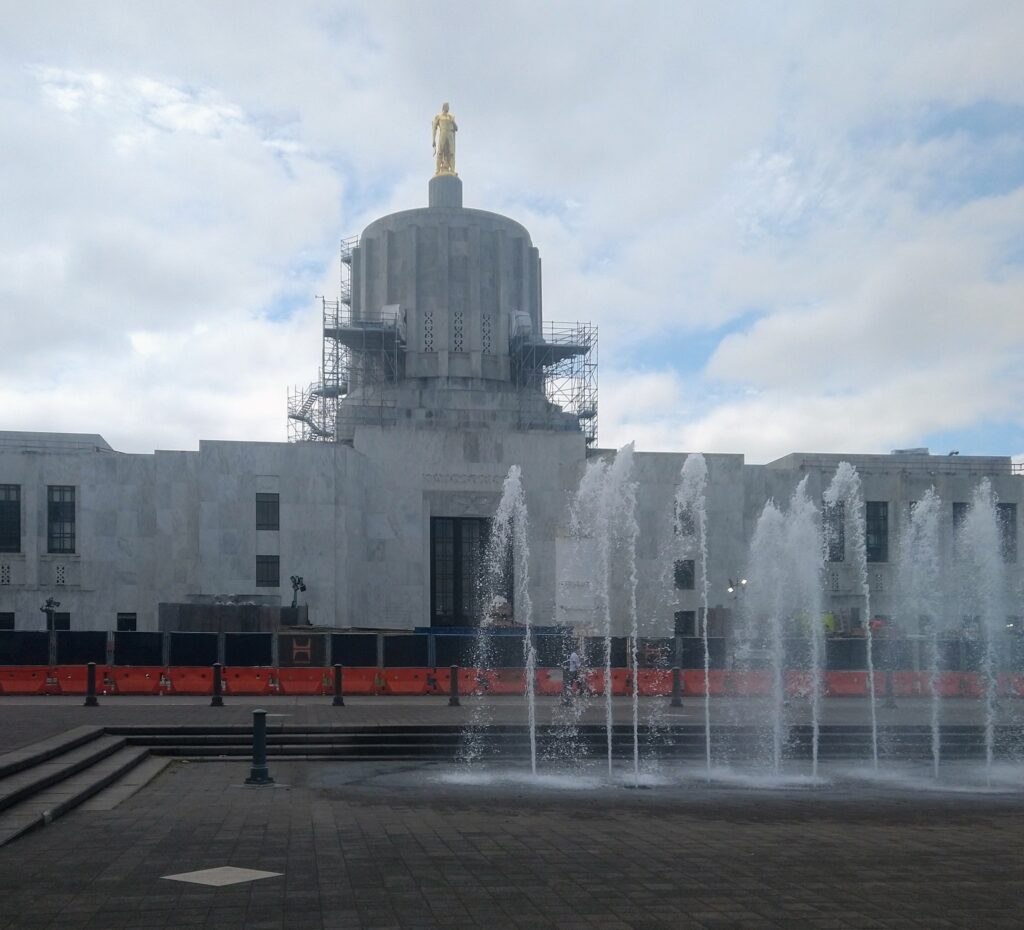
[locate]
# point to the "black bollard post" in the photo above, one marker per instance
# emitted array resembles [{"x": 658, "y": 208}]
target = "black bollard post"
[
  {"x": 90, "y": 685},
  {"x": 217, "y": 700},
  {"x": 890, "y": 691},
  {"x": 677, "y": 687},
  {"x": 339, "y": 700},
  {"x": 453, "y": 689},
  {"x": 259, "y": 775}
]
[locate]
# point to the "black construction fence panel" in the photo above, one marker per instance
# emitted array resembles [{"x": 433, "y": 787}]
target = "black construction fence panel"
[
  {"x": 193, "y": 648},
  {"x": 889, "y": 653},
  {"x": 594, "y": 646},
  {"x": 138, "y": 649},
  {"x": 506, "y": 651},
  {"x": 24, "y": 647},
  {"x": 593, "y": 652},
  {"x": 77, "y": 647},
  {"x": 302, "y": 650},
  {"x": 693, "y": 652},
  {"x": 452, "y": 649},
  {"x": 553, "y": 649},
  {"x": 1015, "y": 653},
  {"x": 952, "y": 655},
  {"x": 355, "y": 650},
  {"x": 797, "y": 652},
  {"x": 846, "y": 654},
  {"x": 248, "y": 649},
  {"x": 406, "y": 651}
]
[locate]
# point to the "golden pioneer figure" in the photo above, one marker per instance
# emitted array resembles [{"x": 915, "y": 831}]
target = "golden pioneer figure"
[{"x": 443, "y": 137}]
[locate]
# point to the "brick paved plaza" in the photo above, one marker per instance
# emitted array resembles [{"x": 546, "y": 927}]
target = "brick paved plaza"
[{"x": 400, "y": 845}]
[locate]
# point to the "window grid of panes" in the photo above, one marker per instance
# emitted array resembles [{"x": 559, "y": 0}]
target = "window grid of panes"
[
  {"x": 457, "y": 550},
  {"x": 877, "y": 531},
  {"x": 60, "y": 524},
  {"x": 268, "y": 571},
  {"x": 10, "y": 518},
  {"x": 268, "y": 511}
]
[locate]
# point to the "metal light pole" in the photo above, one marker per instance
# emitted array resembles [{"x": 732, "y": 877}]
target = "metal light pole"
[{"x": 49, "y": 608}]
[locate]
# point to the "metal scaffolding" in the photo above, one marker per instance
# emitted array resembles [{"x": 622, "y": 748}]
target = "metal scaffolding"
[
  {"x": 312, "y": 411},
  {"x": 362, "y": 359},
  {"x": 357, "y": 356},
  {"x": 562, "y": 363}
]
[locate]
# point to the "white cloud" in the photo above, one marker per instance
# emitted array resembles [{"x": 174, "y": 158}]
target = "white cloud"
[{"x": 682, "y": 168}]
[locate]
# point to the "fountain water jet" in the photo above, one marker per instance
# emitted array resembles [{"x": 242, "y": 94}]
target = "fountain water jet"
[
  {"x": 589, "y": 519},
  {"x": 766, "y": 599},
  {"x": 510, "y": 534},
  {"x": 805, "y": 557},
  {"x": 620, "y": 507},
  {"x": 844, "y": 494},
  {"x": 920, "y": 575},
  {"x": 691, "y": 539},
  {"x": 980, "y": 549}
]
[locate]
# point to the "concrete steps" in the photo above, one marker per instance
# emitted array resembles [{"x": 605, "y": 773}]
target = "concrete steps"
[
  {"x": 365, "y": 743},
  {"x": 41, "y": 782}
]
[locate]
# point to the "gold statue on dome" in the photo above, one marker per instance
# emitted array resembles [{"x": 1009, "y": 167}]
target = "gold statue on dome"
[{"x": 442, "y": 136}]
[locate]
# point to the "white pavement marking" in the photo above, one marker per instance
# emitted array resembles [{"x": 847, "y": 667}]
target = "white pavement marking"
[{"x": 224, "y": 875}]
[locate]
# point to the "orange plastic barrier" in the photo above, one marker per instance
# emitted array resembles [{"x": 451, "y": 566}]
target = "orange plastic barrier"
[
  {"x": 439, "y": 681},
  {"x": 247, "y": 681},
  {"x": 716, "y": 681},
  {"x": 189, "y": 679},
  {"x": 1011, "y": 684},
  {"x": 799, "y": 683},
  {"x": 305, "y": 681},
  {"x": 748, "y": 684},
  {"x": 846, "y": 684},
  {"x": 359, "y": 681},
  {"x": 132, "y": 679},
  {"x": 27, "y": 679},
  {"x": 71, "y": 679},
  {"x": 505, "y": 681},
  {"x": 548, "y": 681},
  {"x": 655, "y": 682},
  {"x": 405, "y": 681},
  {"x": 469, "y": 681},
  {"x": 198, "y": 680}
]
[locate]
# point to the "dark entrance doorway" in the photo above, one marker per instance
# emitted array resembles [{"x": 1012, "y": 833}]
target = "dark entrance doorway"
[{"x": 458, "y": 548}]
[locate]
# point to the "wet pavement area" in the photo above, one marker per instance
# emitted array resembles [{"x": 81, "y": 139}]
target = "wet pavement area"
[
  {"x": 436, "y": 845},
  {"x": 404, "y": 845}
]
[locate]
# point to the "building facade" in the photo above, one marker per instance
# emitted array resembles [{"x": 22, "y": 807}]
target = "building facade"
[{"x": 439, "y": 374}]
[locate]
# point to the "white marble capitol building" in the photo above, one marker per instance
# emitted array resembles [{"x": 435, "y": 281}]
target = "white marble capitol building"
[{"x": 439, "y": 372}]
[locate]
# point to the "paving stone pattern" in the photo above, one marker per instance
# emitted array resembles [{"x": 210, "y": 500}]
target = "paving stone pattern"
[{"x": 391, "y": 846}]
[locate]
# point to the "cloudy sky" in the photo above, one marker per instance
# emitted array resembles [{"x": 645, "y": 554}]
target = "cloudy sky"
[{"x": 800, "y": 227}]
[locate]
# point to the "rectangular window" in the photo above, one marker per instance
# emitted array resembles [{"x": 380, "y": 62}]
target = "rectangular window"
[
  {"x": 10, "y": 518},
  {"x": 60, "y": 519},
  {"x": 127, "y": 623},
  {"x": 268, "y": 511},
  {"x": 457, "y": 549},
  {"x": 959, "y": 514},
  {"x": 877, "y": 535},
  {"x": 61, "y": 622},
  {"x": 1007, "y": 517},
  {"x": 685, "y": 522},
  {"x": 686, "y": 623},
  {"x": 684, "y": 574},
  {"x": 833, "y": 523},
  {"x": 268, "y": 571},
  {"x": 7, "y": 620}
]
